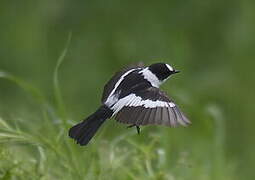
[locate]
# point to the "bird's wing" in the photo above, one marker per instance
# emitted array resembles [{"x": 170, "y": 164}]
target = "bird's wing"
[
  {"x": 109, "y": 86},
  {"x": 147, "y": 107}
]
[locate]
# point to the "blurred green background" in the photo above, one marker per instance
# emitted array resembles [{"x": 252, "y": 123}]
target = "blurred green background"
[{"x": 211, "y": 42}]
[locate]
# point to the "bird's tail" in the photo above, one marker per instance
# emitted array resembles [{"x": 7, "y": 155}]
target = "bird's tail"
[{"x": 84, "y": 131}]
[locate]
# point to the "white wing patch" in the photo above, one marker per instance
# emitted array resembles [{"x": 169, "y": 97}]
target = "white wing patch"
[
  {"x": 133, "y": 101},
  {"x": 111, "y": 98}
]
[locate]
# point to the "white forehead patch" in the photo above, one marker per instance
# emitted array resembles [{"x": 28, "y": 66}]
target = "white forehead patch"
[{"x": 169, "y": 67}]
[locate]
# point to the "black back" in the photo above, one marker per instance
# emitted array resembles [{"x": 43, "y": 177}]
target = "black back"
[
  {"x": 133, "y": 82},
  {"x": 110, "y": 84}
]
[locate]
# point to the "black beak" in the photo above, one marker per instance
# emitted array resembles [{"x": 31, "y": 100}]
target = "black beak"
[{"x": 176, "y": 71}]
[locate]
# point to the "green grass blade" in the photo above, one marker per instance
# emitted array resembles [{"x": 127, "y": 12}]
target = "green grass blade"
[
  {"x": 34, "y": 92},
  {"x": 57, "y": 92}
]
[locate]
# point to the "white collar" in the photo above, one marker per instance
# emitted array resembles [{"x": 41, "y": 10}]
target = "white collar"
[{"x": 151, "y": 77}]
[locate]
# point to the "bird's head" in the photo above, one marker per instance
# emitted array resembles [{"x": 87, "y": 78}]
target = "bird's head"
[{"x": 162, "y": 70}]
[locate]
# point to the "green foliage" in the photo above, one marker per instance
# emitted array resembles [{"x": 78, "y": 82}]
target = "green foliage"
[
  {"x": 41, "y": 95},
  {"x": 50, "y": 154}
]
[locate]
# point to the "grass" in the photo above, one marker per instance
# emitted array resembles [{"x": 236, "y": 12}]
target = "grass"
[{"x": 158, "y": 153}]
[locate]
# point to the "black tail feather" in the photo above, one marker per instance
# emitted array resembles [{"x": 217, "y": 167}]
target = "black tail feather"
[{"x": 84, "y": 131}]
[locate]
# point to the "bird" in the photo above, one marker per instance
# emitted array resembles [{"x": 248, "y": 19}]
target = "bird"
[{"x": 132, "y": 96}]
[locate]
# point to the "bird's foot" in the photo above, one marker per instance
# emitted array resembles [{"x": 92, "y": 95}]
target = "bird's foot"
[{"x": 137, "y": 128}]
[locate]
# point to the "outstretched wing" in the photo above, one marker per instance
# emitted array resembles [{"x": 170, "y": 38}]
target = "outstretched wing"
[
  {"x": 109, "y": 86},
  {"x": 150, "y": 106}
]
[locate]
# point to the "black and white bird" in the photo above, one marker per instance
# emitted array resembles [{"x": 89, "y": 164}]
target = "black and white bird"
[{"x": 133, "y": 97}]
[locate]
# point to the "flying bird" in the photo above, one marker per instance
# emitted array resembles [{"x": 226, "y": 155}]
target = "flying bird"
[{"x": 132, "y": 96}]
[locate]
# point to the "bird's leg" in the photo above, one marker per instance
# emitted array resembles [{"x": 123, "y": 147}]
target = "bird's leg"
[{"x": 138, "y": 129}]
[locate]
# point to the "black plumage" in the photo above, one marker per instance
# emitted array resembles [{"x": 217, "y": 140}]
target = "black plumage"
[
  {"x": 168, "y": 116},
  {"x": 110, "y": 84},
  {"x": 132, "y": 96}
]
